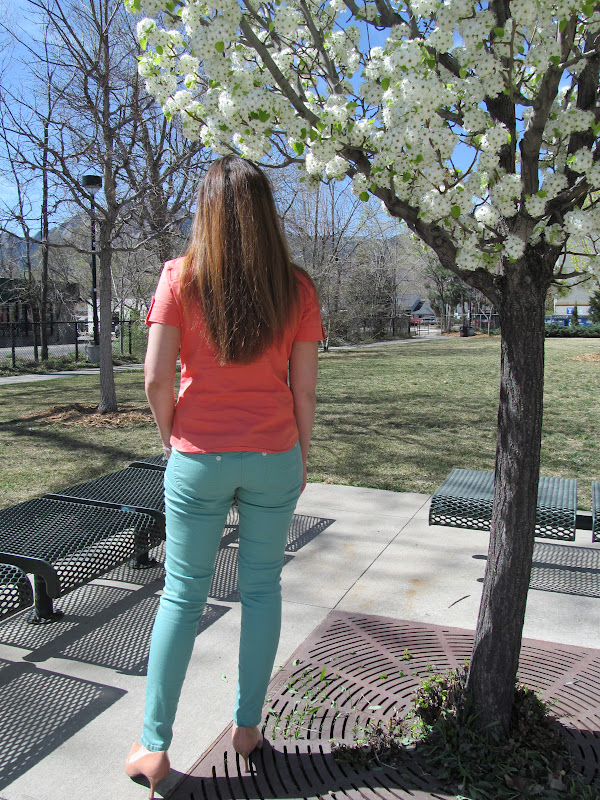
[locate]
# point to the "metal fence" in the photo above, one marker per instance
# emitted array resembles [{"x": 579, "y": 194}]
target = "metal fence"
[
  {"x": 20, "y": 342},
  {"x": 484, "y": 323}
]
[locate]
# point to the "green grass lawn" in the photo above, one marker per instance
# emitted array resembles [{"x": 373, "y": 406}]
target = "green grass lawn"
[{"x": 395, "y": 417}]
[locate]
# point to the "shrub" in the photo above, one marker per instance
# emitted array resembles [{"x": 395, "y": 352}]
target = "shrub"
[{"x": 588, "y": 331}]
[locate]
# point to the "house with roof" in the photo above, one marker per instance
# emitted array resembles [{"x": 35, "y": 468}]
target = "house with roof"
[{"x": 416, "y": 307}]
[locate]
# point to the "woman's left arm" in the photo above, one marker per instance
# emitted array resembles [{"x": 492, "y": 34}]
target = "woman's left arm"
[{"x": 159, "y": 372}]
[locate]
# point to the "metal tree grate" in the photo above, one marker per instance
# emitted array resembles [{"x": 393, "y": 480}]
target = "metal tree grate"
[{"x": 355, "y": 669}]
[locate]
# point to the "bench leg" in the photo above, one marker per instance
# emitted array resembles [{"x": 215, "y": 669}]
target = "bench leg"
[
  {"x": 43, "y": 611},
  {"x": 143, "y": 561}
]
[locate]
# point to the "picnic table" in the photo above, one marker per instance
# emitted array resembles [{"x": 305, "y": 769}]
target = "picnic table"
[
  {"x": 465, "y": 499},
  {"x": 68, "y": 538},
  {"x": 131, "y": 489}
]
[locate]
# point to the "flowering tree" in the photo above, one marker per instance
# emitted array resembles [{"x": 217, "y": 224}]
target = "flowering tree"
[{"x": 475, "y": 123}]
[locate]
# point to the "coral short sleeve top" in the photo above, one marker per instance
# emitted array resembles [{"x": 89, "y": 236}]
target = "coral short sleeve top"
[{"x": 233, "y": 407}]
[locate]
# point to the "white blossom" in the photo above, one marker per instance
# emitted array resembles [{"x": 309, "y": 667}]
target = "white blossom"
[
  {"x": 406, "y": 116},
  {"x": 336, "y": 168},
  {"x": 145, "y": 27},
  {"x": 514, "y": 247}
]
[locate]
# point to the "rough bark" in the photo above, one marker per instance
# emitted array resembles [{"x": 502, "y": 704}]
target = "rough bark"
[
  {"x": 45, "y": 233},
  {"x": 108, "y": 395},
  {"x": 495, "y": 658}
]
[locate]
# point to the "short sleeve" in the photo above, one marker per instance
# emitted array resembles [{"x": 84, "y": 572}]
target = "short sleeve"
[
  {"x": 164, "y": 307},
  {"x": 310, "y": 327}
]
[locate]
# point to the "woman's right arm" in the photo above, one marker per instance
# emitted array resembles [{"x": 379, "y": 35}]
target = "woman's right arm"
[
  {"x": 159, "y": 372},
  {"x": 303, "y": 384}
]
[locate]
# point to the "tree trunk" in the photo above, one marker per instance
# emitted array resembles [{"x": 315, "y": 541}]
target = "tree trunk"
[
  {"x": 45, "y": 232},
  {"x": 108, "y": 395},
  {"x": 494, "y": 663}
]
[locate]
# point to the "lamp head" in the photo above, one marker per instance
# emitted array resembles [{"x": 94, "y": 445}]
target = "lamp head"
[{"x": 91, "y": 183}]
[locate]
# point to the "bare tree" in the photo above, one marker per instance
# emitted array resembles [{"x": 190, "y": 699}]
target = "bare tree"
[
  {"x": 334, "y": 236},
  {"x": 101, "y": 121}
]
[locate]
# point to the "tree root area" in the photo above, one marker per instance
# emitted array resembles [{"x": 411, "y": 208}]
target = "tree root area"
[{"x": 88, "y": 416}]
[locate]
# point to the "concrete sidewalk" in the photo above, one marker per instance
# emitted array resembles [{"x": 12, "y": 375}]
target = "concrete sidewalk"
[
  {"x": 72, "y": 693},
  {"x": 33, "y": 377},
  {"x": 428, "y": 335}
]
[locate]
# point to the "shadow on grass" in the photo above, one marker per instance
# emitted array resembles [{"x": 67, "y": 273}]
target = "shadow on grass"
[
  {"x": 73, "y": 447},
  {"x": 383, "y": 443},
  {"x": 434, "y": 348}
]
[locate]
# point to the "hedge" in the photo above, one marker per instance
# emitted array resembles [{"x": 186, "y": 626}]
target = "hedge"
[{"x": 587, "y": 331}]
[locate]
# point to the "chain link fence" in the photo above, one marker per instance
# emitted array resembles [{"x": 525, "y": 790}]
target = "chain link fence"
[
  {"x": 69, "y": 343},
  {"x": 465, "y": 326}
]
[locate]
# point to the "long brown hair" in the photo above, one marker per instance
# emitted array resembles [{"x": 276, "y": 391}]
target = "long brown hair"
[{"x": 237, "y": 265}]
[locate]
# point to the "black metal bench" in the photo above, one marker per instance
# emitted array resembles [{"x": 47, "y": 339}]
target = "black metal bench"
[
  {"x": 595, "y": 511},
  {"x": 66, "y": 543},
  {"x": 465, "y": 499},
  {"x": 130, "y": 489},
  {"x": 138, "y": 487},
  {"x": 153, "y": 462},
  {"x": 15, "y": 590}
]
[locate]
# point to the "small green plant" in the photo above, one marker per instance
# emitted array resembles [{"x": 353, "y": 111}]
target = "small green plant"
[
  {"x": 310, "y": 698},
  {"x": 406, "y": 656},
  {"x": 380, "y": 744},
  {"x": 533, "y": 763}
]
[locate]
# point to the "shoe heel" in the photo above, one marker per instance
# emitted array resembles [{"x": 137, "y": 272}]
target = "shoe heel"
[{"x": 153, "y": 766}]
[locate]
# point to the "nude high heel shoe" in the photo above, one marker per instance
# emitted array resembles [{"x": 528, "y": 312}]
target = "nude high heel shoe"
[
  {"x": 245, "y": 741},
  {"x": 153, "y": 766}
]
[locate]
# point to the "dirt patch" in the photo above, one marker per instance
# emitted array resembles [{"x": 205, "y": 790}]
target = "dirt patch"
[
  {"x": 79, "y": 415},
  {"x": 586, "y": 357}
]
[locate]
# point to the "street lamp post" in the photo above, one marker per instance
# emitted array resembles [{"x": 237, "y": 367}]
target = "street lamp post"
[{"x": 92, "y": 184}]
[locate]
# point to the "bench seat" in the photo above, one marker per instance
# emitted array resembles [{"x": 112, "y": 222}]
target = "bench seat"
[
  {"x": 138, "y": 487},
  {"x": 132, "y": 488},
  {"x": 15, "y": 590},
  {"x": 65, "y": 544},
  {"x": 595, "y": 511},
  {"x": 465, "y": 499}
]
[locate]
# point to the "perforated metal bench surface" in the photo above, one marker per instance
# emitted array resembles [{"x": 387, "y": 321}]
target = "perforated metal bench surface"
[
  {"x": 465, "y": 499},
  {"x": 69, "y": 543},
  {"x": 139, "y": 487},
  {"x": 595, "y": 511},
  {"x": 134, "y": 488},
  {"x": 153, "y": 462},
  {"x": 15, "y": 590}
]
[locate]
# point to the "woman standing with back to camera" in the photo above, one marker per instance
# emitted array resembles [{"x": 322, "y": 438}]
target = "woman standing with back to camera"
[{"x": 247, "y": 324}]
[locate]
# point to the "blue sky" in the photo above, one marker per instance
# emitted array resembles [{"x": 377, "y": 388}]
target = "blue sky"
[{"x": 16, "y": 14}]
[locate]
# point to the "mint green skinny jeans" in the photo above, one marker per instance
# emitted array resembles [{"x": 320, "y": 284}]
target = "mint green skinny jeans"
[{"x": 199, "y": 490}]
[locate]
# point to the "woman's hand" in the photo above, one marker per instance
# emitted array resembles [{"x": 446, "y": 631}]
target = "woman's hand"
[{"x": 304, "y": 479}]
